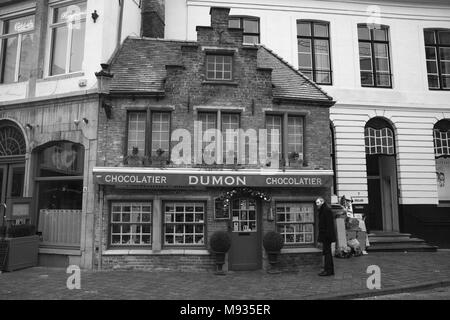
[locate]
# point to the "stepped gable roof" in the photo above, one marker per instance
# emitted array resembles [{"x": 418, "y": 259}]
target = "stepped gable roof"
[{"x": 139, "y": 67}]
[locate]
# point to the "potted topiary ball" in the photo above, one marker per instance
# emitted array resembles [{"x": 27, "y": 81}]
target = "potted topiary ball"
[
  {"x": 273, "y": 242},
  {"x": 220, "y": 243}
]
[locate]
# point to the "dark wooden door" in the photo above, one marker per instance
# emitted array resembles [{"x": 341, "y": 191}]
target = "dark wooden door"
[{"x": 245, "y": 252}]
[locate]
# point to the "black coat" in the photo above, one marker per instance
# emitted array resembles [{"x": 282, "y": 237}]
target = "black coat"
[{"x": 327, "y": 231}]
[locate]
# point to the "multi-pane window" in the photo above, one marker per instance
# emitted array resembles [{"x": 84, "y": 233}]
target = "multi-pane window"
[
  {"x": 244, "y": 215},
  {"x": 442, "y": 156},
  {"x": 379, "y": 141},
  {"x": 219, "y": 67},
  {"x": 17, "y": 40},
  {"x": 131, "y": 224},
  {"x": 314, "y": 50},
  {"x": 374, "y": 55},
  {"x": 184, "y": 223},
  {"x": 292, "y": 148},
  {"x": 160, "y": 133},
  {"x": 209, "y": 121},
  {"x": 230, "y": 122},
  {"x": 274, "y": 132},
  {"x": 250, "y": 26},
  {"x": 67, "y": 29},
  {"x": 155, "y": 144},
  {"x": 295, "y": 221},
  {"x": 437, "y": 49},
  {"x": 136, "y": 132}
]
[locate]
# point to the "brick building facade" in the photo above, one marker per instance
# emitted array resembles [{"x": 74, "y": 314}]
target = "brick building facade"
[{"x": 157, "y": 205}]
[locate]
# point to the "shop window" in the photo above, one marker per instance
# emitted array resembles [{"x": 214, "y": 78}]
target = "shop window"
[
  {"x": 139, "y": 142},
  {"x": 17, "y": 43},
  {"x": 437, "y": 50},
  {"x": 219, "y": 67},
  {"x": 442, "y": 155},
  {"x": 60, "y": 173},
  {"x": 290, "y": 151},
  {"x": 250, "y": 26},
  {"x": 314, "y": 57},
  {"x": 184, "y": 223},
  {"x": 374, "y": 56},
  {"x": 67, "y": 32},
  {"x": 131, "y": 224},
  {"x": 295, "y": 221}
]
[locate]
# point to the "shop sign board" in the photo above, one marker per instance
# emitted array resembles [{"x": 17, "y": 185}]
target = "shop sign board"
[{"x": 168, "y": 179}]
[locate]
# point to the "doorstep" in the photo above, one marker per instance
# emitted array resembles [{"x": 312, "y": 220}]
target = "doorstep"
[{"x": 65, "y": 252}]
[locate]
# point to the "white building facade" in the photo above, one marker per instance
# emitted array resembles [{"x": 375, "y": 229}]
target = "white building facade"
[
  {"x": 50, "y": 51},
  {"x": 387, "y": 64}
]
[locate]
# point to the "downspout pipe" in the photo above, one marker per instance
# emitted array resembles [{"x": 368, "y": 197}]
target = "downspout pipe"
[{"x": 119, "y": 27}]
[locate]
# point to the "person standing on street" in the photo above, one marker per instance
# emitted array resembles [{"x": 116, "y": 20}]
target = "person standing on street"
[{"x": 327, "y": 235}]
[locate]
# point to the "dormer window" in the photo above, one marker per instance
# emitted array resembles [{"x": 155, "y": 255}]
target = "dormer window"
[{"x": 219, "y": 67}]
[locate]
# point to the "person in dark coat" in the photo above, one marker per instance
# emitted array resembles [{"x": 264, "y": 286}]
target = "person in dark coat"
[{"x": 327, "y": 235}]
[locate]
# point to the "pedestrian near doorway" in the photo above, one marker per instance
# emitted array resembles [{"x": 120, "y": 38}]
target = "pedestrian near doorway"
[{"x": 327, "y": 235}]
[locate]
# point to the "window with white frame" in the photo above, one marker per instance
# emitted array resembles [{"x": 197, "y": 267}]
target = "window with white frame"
[
  {"x": 67, "y": 33},
  {"x": 295, "y": 222},
  {"x": 136, "y": 132},
  {"x": 17, "y": 40},
  {"x": 219, "y": 67},
  {"x": 379, "y": 141},
  {"x": 131, "y": 224},
  {"x": 184, "y": 223}
]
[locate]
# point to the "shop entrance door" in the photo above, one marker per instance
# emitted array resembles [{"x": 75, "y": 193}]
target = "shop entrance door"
[
  {"x": 12, "y": 178},
  {"x": 245, "y": 252}
]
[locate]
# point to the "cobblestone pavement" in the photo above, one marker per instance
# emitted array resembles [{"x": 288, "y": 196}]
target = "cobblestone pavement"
[
  {"x": 397, "y": 270},
  {"x": 434, "y": 294}
]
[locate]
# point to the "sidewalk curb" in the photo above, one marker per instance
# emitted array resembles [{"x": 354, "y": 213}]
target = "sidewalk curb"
[{"x": 383, "y": 292}]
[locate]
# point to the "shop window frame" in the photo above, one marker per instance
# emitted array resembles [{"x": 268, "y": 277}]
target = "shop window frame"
[
  {"x": 314, "y": 223},
  {"x": 204, "y": 224},
  {"x": 110, "y": 224}
]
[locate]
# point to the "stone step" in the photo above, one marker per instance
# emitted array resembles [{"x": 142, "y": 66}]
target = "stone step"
[
  {"x": 388, "y": 240},
  {"x": 389, "y": 234},
  {"x": 402, "y": 248}
]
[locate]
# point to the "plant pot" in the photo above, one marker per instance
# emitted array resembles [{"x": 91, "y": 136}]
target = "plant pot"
[
  {"x": 273, "y": 257},
  {"x": 19, "y": 253},
  {"x": 220, "y": 261}
]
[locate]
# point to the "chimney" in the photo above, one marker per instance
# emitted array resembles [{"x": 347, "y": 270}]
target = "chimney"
[
  {"x": 219, "y": 18},
  {"x": 153, "y": 12}
]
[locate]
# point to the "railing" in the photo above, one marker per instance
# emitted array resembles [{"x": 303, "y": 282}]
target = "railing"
[{"x": 60, "y": 228}]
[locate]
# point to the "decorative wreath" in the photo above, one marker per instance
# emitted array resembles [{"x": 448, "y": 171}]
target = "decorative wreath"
[{"x": 243, "y": 192}]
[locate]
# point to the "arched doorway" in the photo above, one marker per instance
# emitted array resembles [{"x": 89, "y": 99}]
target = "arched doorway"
[
  {"x": 442, "y": 155},
  {"x": 381, "y": 176},
  {"x": 12, "y": 164}
]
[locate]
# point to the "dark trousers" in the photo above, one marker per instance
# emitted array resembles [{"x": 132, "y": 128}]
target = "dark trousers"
[{"x": 326, "y": 251}]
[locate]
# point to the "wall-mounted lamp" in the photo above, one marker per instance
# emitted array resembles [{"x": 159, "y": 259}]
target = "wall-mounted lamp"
[
  {"x": 86, "y": 121},
  {"x": 95, "y": 16},
  {"x": 108, "y": 109},
  {"x": 29, "y": 126}
]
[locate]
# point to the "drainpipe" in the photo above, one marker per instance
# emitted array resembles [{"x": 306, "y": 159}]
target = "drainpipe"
[{"x": 100, "y": 237}]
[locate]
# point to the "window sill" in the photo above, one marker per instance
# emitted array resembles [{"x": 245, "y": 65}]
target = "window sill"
[
  {"x": 62, "y": 76},
  {"x": 300, "y": 250},
  {"x": 143, "y": 252},
  {"x": 219, "y": 82}
]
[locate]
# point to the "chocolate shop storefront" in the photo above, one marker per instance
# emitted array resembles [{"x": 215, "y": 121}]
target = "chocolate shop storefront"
[{"x": 163, "y": 219}]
